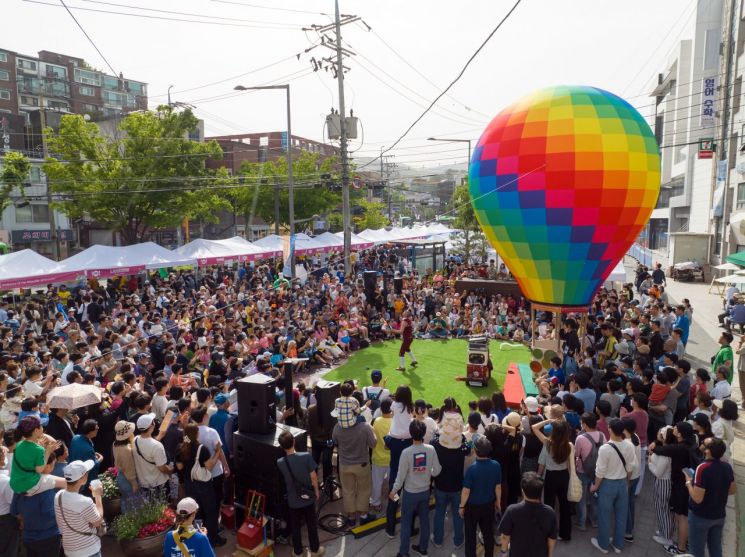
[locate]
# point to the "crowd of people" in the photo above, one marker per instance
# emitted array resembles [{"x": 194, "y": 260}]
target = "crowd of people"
[{"x": 166, "y": 350}]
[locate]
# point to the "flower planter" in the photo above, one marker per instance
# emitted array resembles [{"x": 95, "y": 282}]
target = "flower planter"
[
  {"x": 151, "y": 546},
  {"x": 112, "y": 508}
]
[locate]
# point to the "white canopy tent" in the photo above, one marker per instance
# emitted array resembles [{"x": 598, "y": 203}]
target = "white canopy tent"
[
  {"x": 731, "y": 279},
  {"x": 108, "y": 261},
  {"x": 270, "y": 245},
  {"x": 331, "y": 241},
  {"x": 26, "y": 268},
  {"x": 305, "y": 245},
  {"x": 358, "y": 241},
  {"x": 221, "y": 252}
]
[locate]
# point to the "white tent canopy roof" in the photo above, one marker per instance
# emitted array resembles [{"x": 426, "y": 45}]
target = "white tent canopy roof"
[
  {"x": 107, "y": 261},
  {"x": 26, "y": 268},
  {"x": 210, "y": 252}
]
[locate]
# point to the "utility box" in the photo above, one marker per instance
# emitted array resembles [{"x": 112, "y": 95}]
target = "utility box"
[{"x": 333, "y": 126}]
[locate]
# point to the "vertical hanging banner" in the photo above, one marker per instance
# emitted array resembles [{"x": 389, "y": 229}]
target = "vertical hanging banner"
[{"x": 708, "y": 97}]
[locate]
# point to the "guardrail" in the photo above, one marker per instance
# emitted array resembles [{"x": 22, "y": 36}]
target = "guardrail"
[{"x": 641, "y": 254}]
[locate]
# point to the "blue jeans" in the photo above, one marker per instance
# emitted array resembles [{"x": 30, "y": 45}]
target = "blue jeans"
[
  {"x": 632, "y": 506},
  {"x": 613, "y": 497},
  {"x": 411, "y": 502},
  {"x": 588, "y": 504},
  {"x": 442, "y": 500},
  {"x": 703, "y": 532}
]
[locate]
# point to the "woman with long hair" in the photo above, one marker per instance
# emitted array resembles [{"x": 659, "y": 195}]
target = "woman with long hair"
[
  {"x": 499, "y": 405},
  {"x": 659, "y": 466},
  {"x": 192, "y": 458},
  {"x": 451, "y": 423},
  {"x": 124, "y": 461},
  {"x": 723, "y": 426},
  {"x": 681, "y": 453},
  {"x": 398, "y": 439},
  {"x": 554, "y": 461}
]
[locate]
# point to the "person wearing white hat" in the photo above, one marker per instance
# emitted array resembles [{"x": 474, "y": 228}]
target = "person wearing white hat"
[
  {"x": 150, "y": 458},
  {"x": 185, "y": 539},
  {"x": 77, "y": 515}
]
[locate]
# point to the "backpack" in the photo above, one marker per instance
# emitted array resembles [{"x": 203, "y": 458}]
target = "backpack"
[
  {"x": 591, "y": 460},
  {"x": 374, "y": 398}
]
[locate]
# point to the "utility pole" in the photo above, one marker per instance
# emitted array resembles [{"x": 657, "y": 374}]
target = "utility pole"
[
  {"x": 724, "y": 132},
  {"x": 54, "y": 236},
  {"x": 343, "y": 146}
]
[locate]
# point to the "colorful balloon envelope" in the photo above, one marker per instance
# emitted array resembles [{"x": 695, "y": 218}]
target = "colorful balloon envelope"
[{"x": 562, "y": 182}]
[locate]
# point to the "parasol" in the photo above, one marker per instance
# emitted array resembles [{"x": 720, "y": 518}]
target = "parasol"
[{"x": 73, "y": 396}]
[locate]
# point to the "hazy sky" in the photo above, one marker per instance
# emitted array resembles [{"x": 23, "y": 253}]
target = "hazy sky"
[{"x": 618, "y": 46}]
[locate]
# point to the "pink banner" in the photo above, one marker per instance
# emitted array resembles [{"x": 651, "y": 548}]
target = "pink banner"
[{"x": 27, "y": 282}]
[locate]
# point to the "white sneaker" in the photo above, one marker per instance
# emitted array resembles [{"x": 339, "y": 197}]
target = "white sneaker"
[
  {"x": 660, "y": 540},
  {"x": 596, "y": 545}
]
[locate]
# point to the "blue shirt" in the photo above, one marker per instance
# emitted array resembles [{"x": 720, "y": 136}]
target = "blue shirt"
[
  {"x": 587, "y": 396},
  {"x": 217, "y": 422},
  {"x": 683, "y": 324},
  {"x": 482, "y": 478},
  {"x": 558, "y": 373},
  {"x": 81, "y": 448},
  {"x": 43, "y": 418},
  {"x": 198, "y": 546},
  {"x": 39, "y": 522}
]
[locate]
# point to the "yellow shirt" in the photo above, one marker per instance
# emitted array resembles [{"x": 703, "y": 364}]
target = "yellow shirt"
[{"x": 380, "y": 455}]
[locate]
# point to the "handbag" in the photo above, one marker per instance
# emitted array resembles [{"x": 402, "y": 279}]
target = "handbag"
[
  {"x": 303, "y": 491},
  {"x": 100, "y": 530},
  {"x": 574, "y": 491},
  {"x": 200, "y": 473}
]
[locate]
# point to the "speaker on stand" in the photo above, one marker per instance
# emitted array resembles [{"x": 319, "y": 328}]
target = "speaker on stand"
[{"x": 257, "y": 407}]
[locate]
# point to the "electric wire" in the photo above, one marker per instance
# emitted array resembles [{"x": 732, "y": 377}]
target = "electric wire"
[{"x": 87, "y": 36}]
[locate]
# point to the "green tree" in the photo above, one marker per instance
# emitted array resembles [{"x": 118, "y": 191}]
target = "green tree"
[
  {"x": 465, "y": 218},
  {"x": 372, "y": 215},
  {"x": 313, "y": 179},
  {"x": 151, "y": 178},
  {"x": 14, "y": 174}
]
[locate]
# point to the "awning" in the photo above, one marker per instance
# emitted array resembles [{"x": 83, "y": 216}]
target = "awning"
[
  {"x": 26, "y": 268},
  {"x": 737, "y": 258},
  {"x": 110, "y": 261}
]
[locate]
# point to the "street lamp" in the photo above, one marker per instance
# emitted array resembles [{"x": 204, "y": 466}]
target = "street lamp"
[
  {"x": 455, "y": 141},
  {"x": 290, "y": 192}
]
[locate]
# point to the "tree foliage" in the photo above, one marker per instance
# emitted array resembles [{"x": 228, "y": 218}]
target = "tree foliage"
[
  {"x": 14, "y": 174},
  {"x": 465, "y": 220},
  {"x": 151, "y": 177},
  {"x": 313, "y": 194},
  {"x": 372, "y": 215}
]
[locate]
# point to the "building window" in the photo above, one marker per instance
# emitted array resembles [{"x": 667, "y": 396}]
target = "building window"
[
  {"x": 3, "y": 57},
  {"x": 56, "y": 72},
  {"x": 34, "y": 175},
  {"x": 5, "y": 94},
  {"x": 32, "y": 213},
  {"x": 740, "y": 195},
  {"x": 87, "y": 78},
  {"x": 26, "y": 64},
  {"x": 29, "y": 101},
  {"x": 4, "y": 75},
  {"x": 87, "y": 91},
  {"x": 58, "y": 105}
]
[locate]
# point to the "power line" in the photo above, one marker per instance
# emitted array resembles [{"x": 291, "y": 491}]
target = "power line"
[
  {"x": 258, "y": 6},
  {"x": 87, "y": 36},
  {"x": 165, "y": 18},
  {"x": 453, "y": 82}
]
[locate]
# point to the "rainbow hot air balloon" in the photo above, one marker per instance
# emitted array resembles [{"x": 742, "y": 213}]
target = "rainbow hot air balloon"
[{"x": 562, "y": 183}]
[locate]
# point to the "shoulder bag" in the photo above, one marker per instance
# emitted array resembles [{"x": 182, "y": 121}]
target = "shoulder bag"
[
  {"x": 574, "y": 491},
  {"x": 100, "y": 530},
  {"x": 304, "y": 492},
  {"x": 200, "y": 473},
  {"x": 142, "y": 456}
]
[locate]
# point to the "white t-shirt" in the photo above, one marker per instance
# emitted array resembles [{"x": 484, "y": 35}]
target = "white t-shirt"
[
  {"x": 6, "y": 494},
  {"x": 158, "y": 406},
  {"x": 79, "y": 512},
  {"x": 150, "y": 455},
  {"x": 32, "y": 389},
  {"x": 401, "y": 420},
  {"x": 210, "y": 438}
]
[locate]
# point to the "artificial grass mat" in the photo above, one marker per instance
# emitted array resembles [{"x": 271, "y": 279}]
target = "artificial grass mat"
[{"x": 440, "y": 362}]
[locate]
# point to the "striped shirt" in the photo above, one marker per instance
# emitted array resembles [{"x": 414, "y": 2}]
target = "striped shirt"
[{"x": 75, "y": 513}]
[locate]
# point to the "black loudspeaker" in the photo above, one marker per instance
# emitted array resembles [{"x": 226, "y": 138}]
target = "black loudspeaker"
[
  {"x": 255, "y": 461},
  {"x": 326, "y": 394},
  {"x": 398, "y": 285},
  {"x": 370, "y": 279},
  {"x": 257, "y": 407}
]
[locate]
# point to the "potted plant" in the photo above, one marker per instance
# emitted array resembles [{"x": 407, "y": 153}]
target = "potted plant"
[
  {"x": 141, "y": 532},
  {"x": 112, "y": 502}
]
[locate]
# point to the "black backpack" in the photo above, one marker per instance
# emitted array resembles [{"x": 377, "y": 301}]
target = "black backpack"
[{"x": 591, "y": 460}]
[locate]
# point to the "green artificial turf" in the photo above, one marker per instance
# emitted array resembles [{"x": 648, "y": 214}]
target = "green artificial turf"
[{"x": 440, "y": 362}]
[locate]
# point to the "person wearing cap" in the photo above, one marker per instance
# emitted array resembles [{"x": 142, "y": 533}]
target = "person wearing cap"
[
  {"x": 438, "y": 327},
  {"x": 151, "y": 464},
  {"x": 78, "y": 516},
  {"x": 185, "y": 539},
  {"x": 124, "y": 461},
  {"x": 218, "y": 420}
]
